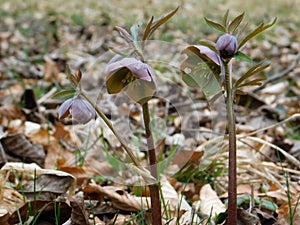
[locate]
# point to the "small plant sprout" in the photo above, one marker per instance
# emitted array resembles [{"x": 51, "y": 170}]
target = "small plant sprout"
[{"x": 212, "y": 61}]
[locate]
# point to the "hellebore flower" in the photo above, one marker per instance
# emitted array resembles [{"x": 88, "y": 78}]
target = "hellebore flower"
[
  {"x": 227, "y": 46},
  {"x": 77, "y": 107},
  {"x": 134, "y": 76},
  {"x": 202, "y": 65}
]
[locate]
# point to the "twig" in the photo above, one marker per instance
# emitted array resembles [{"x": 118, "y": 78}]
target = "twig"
[{"x": 279, "y": 75}]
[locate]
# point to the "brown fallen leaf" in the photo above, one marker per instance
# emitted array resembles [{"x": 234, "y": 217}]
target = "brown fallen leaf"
[
  {"x": 41, "y": 182},
  {"x": 10, "y": 112},
  {"x": 47, "y": 186},
  {"x": 19, "y": 148},
  {"x": 120, "y": 199},
  {"x": 210, "y": 202},
  {"x": 79, "y": 216}
]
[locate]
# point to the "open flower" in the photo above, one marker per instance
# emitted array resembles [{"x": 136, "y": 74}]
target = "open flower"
[
  {"x": 134, "y": 76},
  {"x": 78, "y": 108},
  {"x": 227, "y": 45},
  {"x": 201, "y": 67}
]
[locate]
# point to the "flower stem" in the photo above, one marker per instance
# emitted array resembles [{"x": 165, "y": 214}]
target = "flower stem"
[
  {"x": 154, "y": 188},
  {"x": 232, "y": 183},
  {"x": 111, "y": 127}
]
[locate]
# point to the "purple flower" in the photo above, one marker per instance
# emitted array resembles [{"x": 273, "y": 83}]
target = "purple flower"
[
  {"x": 136, "y": 77},
  {"x": 78, "y": 108},
  {"x": 227, "y": 46},
  {"x": 200, "y": 60}
]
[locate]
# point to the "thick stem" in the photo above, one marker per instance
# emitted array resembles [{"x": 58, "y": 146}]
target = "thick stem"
[
  {"x": 111, "y": 127},
  {"x": 232, "y": 183},
  {"x": 154, "y": 188}
]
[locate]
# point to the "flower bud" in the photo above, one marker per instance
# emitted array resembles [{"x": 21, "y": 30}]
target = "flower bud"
[
  {"x": 78, "y": 108},
  {"x": 227, "y": 46}
]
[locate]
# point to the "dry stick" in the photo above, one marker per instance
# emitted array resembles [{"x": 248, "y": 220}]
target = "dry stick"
[
  {"x": 281, "y": 74},
  {"x": 232, "y": 186},
  {"x": 111, "y": 127},
  {"x": 154, "y": 188}
]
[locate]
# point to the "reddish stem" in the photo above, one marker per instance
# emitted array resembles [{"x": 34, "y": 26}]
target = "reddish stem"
[
  {"x": 232, "y": 186},
  {"x": 154, "y": 188}
]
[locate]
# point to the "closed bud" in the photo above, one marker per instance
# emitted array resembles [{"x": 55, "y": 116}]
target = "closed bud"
[{"x": 227, "y": 46}]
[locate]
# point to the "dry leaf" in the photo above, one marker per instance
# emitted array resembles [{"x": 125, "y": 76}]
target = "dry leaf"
[
  {"x": 19, "y": 148},
  {"x": 120, "y": 199},
  {"x": 210, "y": 202},
  {"x": 46, "y": 181},
  {"x": 79, "y": 216}
]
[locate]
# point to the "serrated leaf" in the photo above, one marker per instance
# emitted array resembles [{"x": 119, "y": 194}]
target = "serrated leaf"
[
  {"x": 217, "y": 26},
  {"x": 64, "y": 94},
  {"x": 147, "y": 29},
  {"x": 124, "y": 34},
  {"x": 157, "y": 23},
  {"x": 241, "y": 56},
  {"x": 251, "y": 72},
  {"x": 256, "y": 31},
  {"x": 225, "y": 18},
  {"x": 235, "y": 23}
]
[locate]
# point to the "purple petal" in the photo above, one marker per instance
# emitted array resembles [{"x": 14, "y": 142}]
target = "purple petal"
[
  {"x": 137, "y": 67},
  {"x": 81, "y": 112},
  {"x": 63, "y": 110},
  {"x": 152, "y": 74},
  {"x": 203, "y": 51}
]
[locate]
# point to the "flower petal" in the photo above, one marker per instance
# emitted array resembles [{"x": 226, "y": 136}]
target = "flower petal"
[
  {"x": 80, "y": 112},
  {"x": 114, "y": 80},
  {"x": 63, "y": 110},
  {"x": 203, "y": 52}
]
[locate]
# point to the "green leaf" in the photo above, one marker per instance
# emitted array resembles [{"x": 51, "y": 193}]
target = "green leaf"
[
  {"x": 251, "y": 72},
  {"x": 257, "y": 30},
  {"x": 74, "y": 80},
  {"x": 235, "y": 23},
  {"x": 241, "y": 56},
  {"x": 124, "y": 34},
  {"x": 157, "y": 23},
  {"x": 134, "y": 32},
  {"x": 218, "y": 27},
  {"x": 135, "y": 35},
  {"x": 254, "y": 82},
  {"x": 148, "y": 29},
  {"x": 267, "y": 204},
  {"x": 225, "y": 18},
  {"x": 64, "y": 94}
]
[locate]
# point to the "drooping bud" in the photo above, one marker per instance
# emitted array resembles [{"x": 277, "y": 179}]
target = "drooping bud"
[
  {"x": 227, "y": 46},
  {"x": 78, "y": 108}
]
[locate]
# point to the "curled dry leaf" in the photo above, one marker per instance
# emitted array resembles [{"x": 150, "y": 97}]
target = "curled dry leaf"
[
  {"x": 120, "y": 199},
  {"x": 46, "y": 181},
  {"x": 19, "y": 148}
]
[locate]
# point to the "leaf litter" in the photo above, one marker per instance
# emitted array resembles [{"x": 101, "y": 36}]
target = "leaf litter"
[{"x": 96, "y": 186}]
